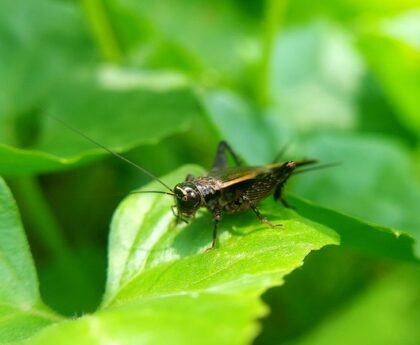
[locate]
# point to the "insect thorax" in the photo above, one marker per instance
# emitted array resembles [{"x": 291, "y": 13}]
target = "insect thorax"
[{"x": 209, "y": 187}]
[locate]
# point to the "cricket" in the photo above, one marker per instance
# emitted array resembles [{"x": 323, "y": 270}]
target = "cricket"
[{"x": 225, "y": 189}]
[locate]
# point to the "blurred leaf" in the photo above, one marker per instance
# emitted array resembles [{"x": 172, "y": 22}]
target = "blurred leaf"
[
  {"x": 297, "y": 310},
  {"x": 119, "y": 109},
  {"x": 387, "y": 313},
  {"x": 60, "y": 292},
  {"x": 41, "y": 44},
  {"x": 47, "y": 66},
  {"x": 367, "y": 191},
  {"x": 405, "y": 27},
  {"x": 375, "y": 182},
  {"x": 315, "y": 76},
  {"x": 346, "y": 11},
  {"x": 163, "y": 286},
  {"x": 228, "y": 111},
  {"x": 21, "y": 311},
  {"x": 399, "y": 74},
  {"x": 376, "y": 114},
  {"x": 210, "y": 38}
]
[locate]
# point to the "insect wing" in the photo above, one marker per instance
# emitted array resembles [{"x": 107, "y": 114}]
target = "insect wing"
[
  {"x": 232, "y": 176},
  {"x": 254, "y": 183}
]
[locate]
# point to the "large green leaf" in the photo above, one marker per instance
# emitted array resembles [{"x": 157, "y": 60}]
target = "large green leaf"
[
  {"x": 48, "y": 66},
  {"x": 116, "y": 108},
  {"x": 163, "y": 285},
  {"x": 21, "y": 310}
]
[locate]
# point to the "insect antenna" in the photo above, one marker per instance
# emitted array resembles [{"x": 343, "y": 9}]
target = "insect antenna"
[
  {"x": 319, "y": 167},
  {"x": 115, "y": 154},
  {"x": 281, "y": 152},
  {"x": 305, "y": 162},
  {"x": 150, "y": 192}
]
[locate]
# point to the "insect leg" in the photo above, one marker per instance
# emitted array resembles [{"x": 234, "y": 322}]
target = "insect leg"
[
  {"x": 279, "y": 196},
  {"x": 217, "y": 216},
  {"x": 262, "y": 218},
  {"x": 178, "y": 217},
  {"x": 220, "y": 161}
]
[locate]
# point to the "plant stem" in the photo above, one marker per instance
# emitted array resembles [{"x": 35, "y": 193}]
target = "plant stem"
[
  {"x": 102, "y": 30},
  {"x": 274, "y": 11}
]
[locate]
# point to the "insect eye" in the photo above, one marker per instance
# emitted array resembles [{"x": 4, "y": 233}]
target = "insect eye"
[{"x": 190, "y": 196}]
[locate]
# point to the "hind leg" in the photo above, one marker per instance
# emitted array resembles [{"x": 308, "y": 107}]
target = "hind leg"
[
  {"x": 278, "y": 195},
  {"x": 264, "y": 219},
  {"x": 220, "y": 161}
]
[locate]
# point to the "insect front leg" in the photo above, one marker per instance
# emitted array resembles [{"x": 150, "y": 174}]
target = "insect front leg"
[
  {"x": 220, "y": 161},
  {"x": 217, "y": 216},
  {"x": 178, "y": 217}
]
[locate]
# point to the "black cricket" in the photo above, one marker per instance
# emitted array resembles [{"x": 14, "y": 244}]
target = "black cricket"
[
  {"x": 224, "y": 189},
  {"x": 233, "y": 189}
]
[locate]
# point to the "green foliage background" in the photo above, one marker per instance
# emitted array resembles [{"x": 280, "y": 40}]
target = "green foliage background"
[{"x": 163, "y": 82}]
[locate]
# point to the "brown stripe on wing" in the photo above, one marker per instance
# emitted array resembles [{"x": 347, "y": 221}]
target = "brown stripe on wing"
[{"x": 235, "y": 176}]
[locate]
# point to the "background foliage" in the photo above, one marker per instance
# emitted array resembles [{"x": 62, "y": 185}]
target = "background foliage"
[{"x": 163, "y": 81}]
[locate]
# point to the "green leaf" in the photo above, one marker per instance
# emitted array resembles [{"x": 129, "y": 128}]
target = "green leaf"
[
  {"x": 48, "y": 66},
  {"x": 205, "y": 318},
  {"x": 351, "y": 12},
  {"x": 139, "y": 108},
  {"x": 163, "y": 286},
  {"x": 226, "y": 110},
  {"x": 316, "y": 62},
  {"x": 218, "y": 43},
  {"x": 21, "y": 310},
  {"x": 143, "y": 246},
  {"x": 398, "y": 73},
  {"x": 386, "y": 313},
  {"x": 376, "y": 180},
  {"x": 43, "y": 42},
  {"x": 361, "y": 236}
]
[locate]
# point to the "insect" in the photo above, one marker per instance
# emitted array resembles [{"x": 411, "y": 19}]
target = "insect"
[
  {"x": 233, "y": 189},
  {"x": 224, "y": 189}
]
